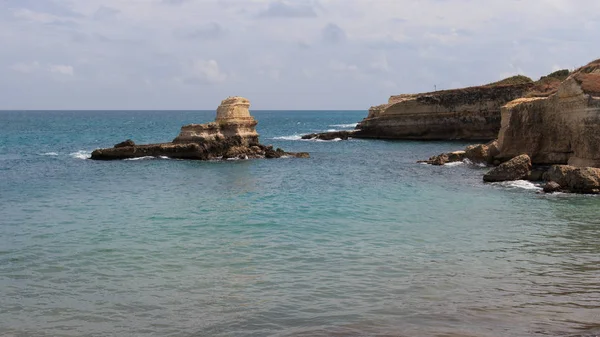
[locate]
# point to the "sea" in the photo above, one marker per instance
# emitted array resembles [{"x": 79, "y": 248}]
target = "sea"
[{"x": 358, "y": 240}]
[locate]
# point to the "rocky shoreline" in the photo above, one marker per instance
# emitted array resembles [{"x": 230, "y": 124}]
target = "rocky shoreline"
[
  {"x": 555, "y": 139},
  {"x": 231, "y": 136}
]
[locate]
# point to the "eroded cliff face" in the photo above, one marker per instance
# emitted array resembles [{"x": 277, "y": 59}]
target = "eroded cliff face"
[
  {"x": 469, "y": 113},
  {"x": 561, "y": 129},
  {"x": 233, "y": 121}
]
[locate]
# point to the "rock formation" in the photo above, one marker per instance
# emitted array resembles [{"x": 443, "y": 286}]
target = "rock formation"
[
  {"x": 469, "y": 113},
  {"x": 561, "y": 129},
  {"x": 232, "y": 135}
]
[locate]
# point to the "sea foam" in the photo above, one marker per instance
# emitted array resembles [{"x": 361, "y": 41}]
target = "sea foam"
[
  {"x": 344, "y": 126},
  {"x": 519, "y": 184},
  {"x": 81, "y": 154}
]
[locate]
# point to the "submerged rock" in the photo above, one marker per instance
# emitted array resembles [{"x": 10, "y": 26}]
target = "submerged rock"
[
  {"x": 231, "y": 136},
  {"x": 343, "y": 135},
  {"x": 515, "y": 169},
  {"x": 575, "y": 179}
]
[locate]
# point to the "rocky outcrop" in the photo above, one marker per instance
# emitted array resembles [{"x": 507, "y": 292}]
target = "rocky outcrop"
[
  {"x": 231, "y": 136},
  {"x": 333, "y": 135},
  {"x": 575, "y": 179},
  {"x": 445, "y": 158},
  {"x": 482, "y": 153},
  {"x": 561, "y": 129},
  {"x": 469, "y": 114}
]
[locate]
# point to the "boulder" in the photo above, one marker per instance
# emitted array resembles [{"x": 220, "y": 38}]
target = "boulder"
[
  {"x": 551, "y": 187},
  {"x": 575, "y": 179},
  {"x": 482, "y": 153},
  {"x": 126, "y": 143},
  {"x": 515, "y": 169}
]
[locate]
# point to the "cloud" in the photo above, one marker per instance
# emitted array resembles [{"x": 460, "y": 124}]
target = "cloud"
[
  {"x": 210, "y": 31},
  {"x": 25, "y": 67},
  {"x": 288, "y": 9},
  {"x": 333, "y": 34},
  {"x": 342, "y": 66},
  {"x": 104, "y": 13},
  {"x": 35, "y": 66},
  {"x": 141, "y": 52},
  {"x": 205, "y": 72},
  {"x": 61, "y": 69}
]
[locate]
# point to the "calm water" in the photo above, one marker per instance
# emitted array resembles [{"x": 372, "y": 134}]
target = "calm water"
[{"x": 356, "y": 241}]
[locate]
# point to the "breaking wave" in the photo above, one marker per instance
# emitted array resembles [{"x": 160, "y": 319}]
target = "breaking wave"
[
  {"x": 344, "y": 126},
  {"x": 294, "y": 137},
  {"x": 53, "y": 154},
  {"x": 81, "y": 154},
  {"x": 519, "y": 184}
]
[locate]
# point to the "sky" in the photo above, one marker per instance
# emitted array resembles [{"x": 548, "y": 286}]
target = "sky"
[{"x": 280, "y": 54}]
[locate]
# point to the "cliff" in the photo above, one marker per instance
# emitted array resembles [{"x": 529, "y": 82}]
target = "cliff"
[
  {"x": 563, "y": 128},
  {"x": 232, "y": 135},
  {"x": 468, "y": 113}
]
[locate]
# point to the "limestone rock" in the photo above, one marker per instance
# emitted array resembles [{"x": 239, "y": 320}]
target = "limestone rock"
[
  {"x": 468, "y": 113},
  {"x": 232, "y": 136},
  {"x": 551, "y": 187},
  {"x": 482, "y": 153},
  {"x": 575, "y": 179},
  {"x": 561, "y": 129},
  {"x": 445, "y": 158},
  {"x": 514, "y": 169},
  {"x": 233, "y": 121}
]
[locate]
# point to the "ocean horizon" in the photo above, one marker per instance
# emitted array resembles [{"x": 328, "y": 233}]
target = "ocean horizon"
[{"x": 358, "y": 240}]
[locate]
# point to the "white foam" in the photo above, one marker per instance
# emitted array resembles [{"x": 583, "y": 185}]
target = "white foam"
[
  {"x": 456, "y": 163},
  {"x": 81, "y": 154},
  {"x": 322, "y": 140},
  {"x": 521, "y": 184},
  {"x": 164, "y": 157},
  {"x": 50, "y": 154},
  {"x": 294, "y": 137},
  {"x": 469, "y": 162},
  {"x": 141, "y": 158},
  {"x": 345, "y": 126}
]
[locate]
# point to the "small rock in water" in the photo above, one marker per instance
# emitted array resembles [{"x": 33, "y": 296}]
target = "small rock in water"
[{"x": 552, "y": 187}]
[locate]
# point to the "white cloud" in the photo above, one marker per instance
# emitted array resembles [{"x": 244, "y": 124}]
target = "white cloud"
[
  {"x": 342, "y": 66},
  {"x": 206, "y": 71},
  {"x": 61, "y": 69},
  {"x": 25, "y": 67}
]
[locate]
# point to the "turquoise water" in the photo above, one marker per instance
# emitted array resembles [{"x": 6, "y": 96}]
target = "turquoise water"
[{"x": 359, "y": 240}]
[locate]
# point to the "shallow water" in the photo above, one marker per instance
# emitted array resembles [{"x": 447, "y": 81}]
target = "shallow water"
[{"x": 359, "y": 240}]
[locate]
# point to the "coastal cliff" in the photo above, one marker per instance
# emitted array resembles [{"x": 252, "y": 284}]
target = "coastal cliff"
[
  {"x": 468, "y": 113},
  {"x": 563, "y": 128},
  {"x": 231, "y": 136}
]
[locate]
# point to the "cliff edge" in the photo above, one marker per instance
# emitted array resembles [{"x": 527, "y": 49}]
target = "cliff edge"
[{"x": 563, "y": 128}]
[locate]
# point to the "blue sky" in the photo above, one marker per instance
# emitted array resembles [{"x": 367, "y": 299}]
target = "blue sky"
[{"x": 281, "y": 54}]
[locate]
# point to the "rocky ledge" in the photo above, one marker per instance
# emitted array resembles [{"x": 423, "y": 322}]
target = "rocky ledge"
[{"x": 231, "y": 136}]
